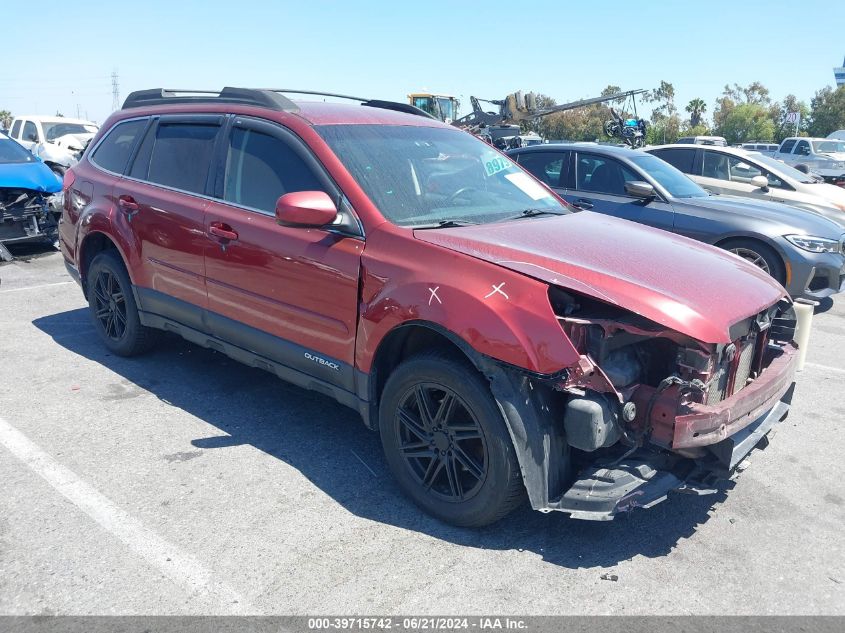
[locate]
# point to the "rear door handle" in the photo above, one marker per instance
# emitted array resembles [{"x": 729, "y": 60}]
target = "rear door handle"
[
  {"x": 223, "y": 231},
  {"x": 583, "y": 204},
  {"x": 128, "y": 204}
]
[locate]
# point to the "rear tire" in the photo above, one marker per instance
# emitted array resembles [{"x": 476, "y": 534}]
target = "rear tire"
[
  {"x": 446, "y": 442},
  {"x": 59, "y": 170},
  {"x": 113, "y": 309},
  {"x": 757, "y": 253}
]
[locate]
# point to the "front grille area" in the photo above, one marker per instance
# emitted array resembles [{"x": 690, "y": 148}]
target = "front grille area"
[{"x": 718, "y": 387}]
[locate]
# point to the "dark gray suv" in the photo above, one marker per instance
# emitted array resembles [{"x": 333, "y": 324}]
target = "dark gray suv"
[{"x": 803, "y": 251}]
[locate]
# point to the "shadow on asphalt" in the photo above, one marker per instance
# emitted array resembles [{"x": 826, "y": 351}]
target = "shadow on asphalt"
[{"x": 330, "y": 446}]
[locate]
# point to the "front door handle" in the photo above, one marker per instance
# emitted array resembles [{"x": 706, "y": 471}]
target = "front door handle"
[
  {"x": 583, "y": 204},
  {"x": 223, "y": 231},
  {"x": 128, "y": 204}
]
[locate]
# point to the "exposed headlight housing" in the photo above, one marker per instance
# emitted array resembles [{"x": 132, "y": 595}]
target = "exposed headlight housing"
[{"x": 813, "y": 244}]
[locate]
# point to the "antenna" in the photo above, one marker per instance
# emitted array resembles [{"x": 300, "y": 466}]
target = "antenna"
[{"x": 115, "y": 91}]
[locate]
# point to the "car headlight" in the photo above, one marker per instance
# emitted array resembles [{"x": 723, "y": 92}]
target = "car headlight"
[{"x": 814, "y": 244}]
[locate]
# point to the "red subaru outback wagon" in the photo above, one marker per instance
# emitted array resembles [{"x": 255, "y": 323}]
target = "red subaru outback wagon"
[{"x": 501, "y": 344}]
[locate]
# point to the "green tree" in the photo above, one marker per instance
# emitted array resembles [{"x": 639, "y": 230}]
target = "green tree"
[
  {"x": 827, "y": 111},
  {"x": 747, "y": 121},
  {"x": 5, "y": 118},
  {"x": 696, "y": 109}
]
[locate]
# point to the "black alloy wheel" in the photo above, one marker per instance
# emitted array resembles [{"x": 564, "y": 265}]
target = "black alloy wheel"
[{"x": 441, "y": 442}]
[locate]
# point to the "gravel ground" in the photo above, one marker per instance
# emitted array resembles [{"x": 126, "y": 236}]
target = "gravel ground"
[{"x": 183, "y": 483}]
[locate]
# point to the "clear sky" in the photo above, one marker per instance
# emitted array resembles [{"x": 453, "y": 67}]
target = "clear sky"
[{"x": 64, "y": 56}]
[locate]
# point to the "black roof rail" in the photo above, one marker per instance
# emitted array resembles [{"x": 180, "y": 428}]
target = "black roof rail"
[
  {"x": 242, "y": 96},
  {"x": 407, "y": 108}
]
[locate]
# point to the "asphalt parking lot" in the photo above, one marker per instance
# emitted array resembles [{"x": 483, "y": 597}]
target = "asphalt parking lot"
[{"x": 183, "y": 483}]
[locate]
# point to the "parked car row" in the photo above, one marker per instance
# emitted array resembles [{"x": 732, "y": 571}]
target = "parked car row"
[
  {"x": 823, "y": 156},
  {"x": 503, "y": 345},
  {"x": 801, "y": 250}
]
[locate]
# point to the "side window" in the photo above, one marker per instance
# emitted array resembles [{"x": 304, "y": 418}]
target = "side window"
[
  {"x": 680, "y": 159},
  {"x": 261, "y": 167},
  {"x": 802, "y": 149},
  {"x": 715, "y": 166},
  {"x": 742, "y": 171},
  {"x": 181, "y": 155},
  {"x": 602, "y": 175},
  {"x": 29, "y": 132},
  {"x": 545, "y": 166},
  {"x": 16, "y": 129},
  {"x": 787, "y": 146},
  {"x": 113, "y": 152}
]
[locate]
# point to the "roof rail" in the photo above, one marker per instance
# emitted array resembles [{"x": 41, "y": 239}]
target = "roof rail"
[
  {"x": 243, "y": 96},
  {"x": 407, "y": 108}
]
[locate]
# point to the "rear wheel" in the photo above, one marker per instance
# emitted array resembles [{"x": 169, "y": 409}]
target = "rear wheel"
[
  {"x": 59, "y": 170},
  {"x": 760, "y": 255},
  {"x": 446, "y": 442},
  {"x": 113, "y": 308}
]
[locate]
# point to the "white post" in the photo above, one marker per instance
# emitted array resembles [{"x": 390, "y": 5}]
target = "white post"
[{"x": 804, "y": 315}]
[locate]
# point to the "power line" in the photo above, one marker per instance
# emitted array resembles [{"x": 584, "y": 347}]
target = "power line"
[{"x": 115, "y": 91}]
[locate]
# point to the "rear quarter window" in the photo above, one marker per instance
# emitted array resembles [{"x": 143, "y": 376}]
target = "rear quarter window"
[{"x": 114, "y": 150}]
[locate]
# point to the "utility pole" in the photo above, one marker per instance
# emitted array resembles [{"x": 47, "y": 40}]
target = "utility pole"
[{"x": 115, "y": 91}]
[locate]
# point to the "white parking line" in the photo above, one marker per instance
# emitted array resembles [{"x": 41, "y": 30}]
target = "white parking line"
[
  {"x": 179, "y": 566},
  {"x": 58, "y": 283},
  {"x": 838, "y": 370}
]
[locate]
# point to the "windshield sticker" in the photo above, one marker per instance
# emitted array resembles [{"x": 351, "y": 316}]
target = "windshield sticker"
[
  {"x": 531, "y": 188},
  {"x": 497, "y": 164}
]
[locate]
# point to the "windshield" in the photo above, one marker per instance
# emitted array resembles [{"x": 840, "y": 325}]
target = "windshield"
[
  {"x": 57, "y": 129},
  {"x": 828, "y": 147},
  {"x": 11, "y": 152},
  {"x": 782, "y": 169},
  {"x": 425, "y": 175},
  {"x": 672, "y": 180}
]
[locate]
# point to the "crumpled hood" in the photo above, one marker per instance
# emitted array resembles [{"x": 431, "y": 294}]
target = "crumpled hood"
[
  {"x": 690, "y": 287},
  {"x": 73, "y": 142},
  {"x": 35, "y": 175},
  {"x": 790, "y": 219}
]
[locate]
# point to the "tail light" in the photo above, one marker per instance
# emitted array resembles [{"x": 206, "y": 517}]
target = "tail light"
[{"x": 68, "y": 179}]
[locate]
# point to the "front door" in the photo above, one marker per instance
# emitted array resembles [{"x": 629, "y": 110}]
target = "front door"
[{"x": 287, "y": 293}]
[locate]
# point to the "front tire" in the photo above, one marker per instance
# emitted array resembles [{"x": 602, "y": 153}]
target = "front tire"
[
  {"x": 113, "y": 309},
  {"x": 446, "y": 442}
]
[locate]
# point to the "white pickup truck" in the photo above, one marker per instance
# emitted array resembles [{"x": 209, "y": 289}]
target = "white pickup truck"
[
  {"x": 58, "y": 141},
  {"x": 822, "y": 156}
]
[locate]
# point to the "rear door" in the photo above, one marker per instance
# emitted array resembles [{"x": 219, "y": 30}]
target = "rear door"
[
  {"x": 286, "y": 293},
  {"x": 162, "y": 199}
]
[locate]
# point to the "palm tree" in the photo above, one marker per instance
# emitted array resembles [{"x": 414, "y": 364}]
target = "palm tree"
[{"x": 696, "y": 108}]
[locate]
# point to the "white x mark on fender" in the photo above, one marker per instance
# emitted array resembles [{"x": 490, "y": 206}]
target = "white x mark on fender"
[
  {"x": 433, "y": 292},
  {"x": 499, "y": 290}
]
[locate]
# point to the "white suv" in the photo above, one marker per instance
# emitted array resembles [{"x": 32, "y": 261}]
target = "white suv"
[{"x": 58, "y": 141}]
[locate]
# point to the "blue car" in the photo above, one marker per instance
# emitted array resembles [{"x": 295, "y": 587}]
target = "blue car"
[{"x": 26, "y": 185}]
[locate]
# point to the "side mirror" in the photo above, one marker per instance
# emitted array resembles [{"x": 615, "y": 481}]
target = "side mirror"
[
  {"x": 32, "y": 137},
  {"x": 305, "y": 209},
  {"x": 639, "y": 189},
  {"x": 761, "y": 182}
]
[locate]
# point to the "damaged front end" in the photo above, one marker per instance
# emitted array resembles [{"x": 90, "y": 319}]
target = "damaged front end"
[
  {"x": 646, "y": 410},
  {"x": 25, "y": 215}
]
